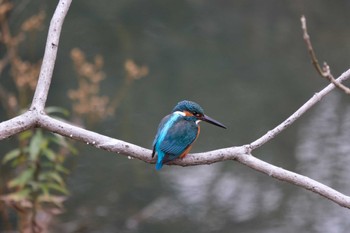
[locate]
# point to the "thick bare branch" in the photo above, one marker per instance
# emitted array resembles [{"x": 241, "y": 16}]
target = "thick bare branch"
[
  {"x": 47, "y": 67},
  {"x": 94, "y": 139},
  {"x": 17, "y": 124}
]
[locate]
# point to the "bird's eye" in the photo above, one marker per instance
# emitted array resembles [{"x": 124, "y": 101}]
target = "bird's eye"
[{"x": 196, "y": 114}]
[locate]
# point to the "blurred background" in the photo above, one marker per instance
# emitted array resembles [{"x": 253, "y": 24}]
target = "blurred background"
[{"x": 123, "y": 65}]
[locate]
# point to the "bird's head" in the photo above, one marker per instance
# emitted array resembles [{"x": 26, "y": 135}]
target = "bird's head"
[{"x": 193, "y": 110}]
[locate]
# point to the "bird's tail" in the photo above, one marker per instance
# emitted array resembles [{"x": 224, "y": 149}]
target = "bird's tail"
[
  {"x": 159, "y": 166},
  {"x": 160, "y": 158}
]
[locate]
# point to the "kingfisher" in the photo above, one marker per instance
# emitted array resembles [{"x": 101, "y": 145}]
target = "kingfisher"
[{"x": 178, "y": 131}]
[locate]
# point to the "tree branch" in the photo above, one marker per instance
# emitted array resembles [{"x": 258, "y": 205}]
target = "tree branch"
[
  {"x": 94, "y": 139},
  {"x": 17, "y": 124},
  {"x": 325, "y": 71},
  {"x": 36, "y": 117},
  {"x": 42, "y": 88},
  {"x": 296, "y": 115},
  {"x": 294, "y": 178},
  {"x": 240, "y": 153}
]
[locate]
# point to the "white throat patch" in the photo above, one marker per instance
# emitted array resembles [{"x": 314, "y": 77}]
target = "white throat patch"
[{"x": 180, "y": 113}]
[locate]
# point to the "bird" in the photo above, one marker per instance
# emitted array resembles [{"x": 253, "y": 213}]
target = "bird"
[{"x": 178, "y": 131}]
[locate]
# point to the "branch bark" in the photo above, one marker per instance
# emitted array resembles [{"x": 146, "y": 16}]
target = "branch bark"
[
  {"x": 36, "y": 117},
  {"x": 47, "y": 67}
]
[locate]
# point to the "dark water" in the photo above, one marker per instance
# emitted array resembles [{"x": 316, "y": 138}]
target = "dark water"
[{"x": 245, "y": 62}]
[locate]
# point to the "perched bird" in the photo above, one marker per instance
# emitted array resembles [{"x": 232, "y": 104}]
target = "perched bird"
[{"x": 178, "y": 130}]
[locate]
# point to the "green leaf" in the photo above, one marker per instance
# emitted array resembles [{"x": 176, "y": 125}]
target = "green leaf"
[
  {"x": 56, "y": 177},
  {"x": 49, "y": 154},
  {"x": 62, "y": 141},
  {"x": 25, "y": 135},
  {"x": 47, "y": 164},
  {"x": 51, "y": 176},
  {"x": 53, "y": 199},
  {"x": 45, "y": 189},
  {"x": 72, "y": 149},
  {"x": 11, "y": 155},
  {"x": 59, "y": 140},
  {"x": 20, "y": 195},
  {"x": 35, "y": 145},
  {"x": 22, "y": 179},
  {"x": 33, "y": 185},
  {"x": 54, "y": 109},
  {"x": 43, "y": 176},
  {"x": 62, "y": 169},
  {"x": 58, "y": 188}
]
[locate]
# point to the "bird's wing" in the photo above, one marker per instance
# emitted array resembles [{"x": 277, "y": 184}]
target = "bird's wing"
[
  {"x": 161, "y": 125},
  {"x": 181, "y": 135}
]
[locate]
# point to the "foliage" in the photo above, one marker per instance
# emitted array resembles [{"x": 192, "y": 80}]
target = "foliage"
[
  {"x": 88, "y": 103},
  {"x": 23, "y": 72},
  {"x": 39, "y": 182}
]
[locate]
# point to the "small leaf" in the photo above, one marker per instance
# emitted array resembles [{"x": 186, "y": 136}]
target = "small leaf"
[
  {"x": 34, "y": 185},
  {"x": 35, "y": 145},
  {"x": 59, "y": 140},
  {"x": 56, "y": 177},
  {"x": 11, "y": 155},
  {"x": 62, "y": 141},
  {"x": 20, "y": 195},
  {"x": 22, "y": 179},
  {"x": 54, "y": 109},
  {"x": 53, "y": 199},
  {"x": 16, "y": 162},
  {"x": 43, "y": 176},
  {"x": 58, "y": 188},
  {"x": 50, "y": 154},
  {"x": 72, "y": 149},
  {"x": 62, "y": 169},
  {"x": 25, "y": 135},
  {"x": 44, "y": 189},
  {"x": 51, "y": 176}
]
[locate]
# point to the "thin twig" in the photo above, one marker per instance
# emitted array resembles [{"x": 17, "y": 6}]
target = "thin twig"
[{"x": 324, "y": 71}]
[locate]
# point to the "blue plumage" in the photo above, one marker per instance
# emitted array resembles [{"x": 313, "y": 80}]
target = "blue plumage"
[
  {"x": 177, "y": 131},
  {"x": 175, "y": 134}
]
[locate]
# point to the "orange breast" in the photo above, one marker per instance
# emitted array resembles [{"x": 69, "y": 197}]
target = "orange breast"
[{"x": 185, "y": 152}]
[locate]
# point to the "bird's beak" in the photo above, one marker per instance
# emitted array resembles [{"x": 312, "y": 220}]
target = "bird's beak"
[{"x": 212, "y": 121}]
